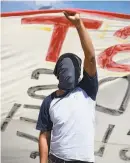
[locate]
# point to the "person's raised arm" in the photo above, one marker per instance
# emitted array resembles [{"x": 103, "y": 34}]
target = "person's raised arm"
[
  {"x": 44, "y": 146},
  {"x": 89, "y": 61}
]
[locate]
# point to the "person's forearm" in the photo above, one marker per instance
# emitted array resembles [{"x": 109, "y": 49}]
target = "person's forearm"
[
  {"x": 85, "y": 40},
  {"x": 43, "y": 148},
  {"x": 87, "y": 46}
]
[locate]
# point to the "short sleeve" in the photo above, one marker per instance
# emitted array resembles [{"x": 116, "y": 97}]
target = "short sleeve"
[
  {"x": 44, "y": 123},
  {"x": 89, "y": 85}
]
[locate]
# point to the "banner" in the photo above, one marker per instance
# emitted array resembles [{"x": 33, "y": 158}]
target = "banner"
[{"x": 32, "y": 41}]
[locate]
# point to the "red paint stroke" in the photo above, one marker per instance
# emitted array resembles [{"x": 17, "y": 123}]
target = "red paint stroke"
[
  {"x": 106, "y": 62},
  {"x": 61, "y": 26},
  {"x": 60, "y": 20},
  {"x": 123, "y": 33},
  {"x": 92, "y": 12},
  {"x": 56, "y": 43}
]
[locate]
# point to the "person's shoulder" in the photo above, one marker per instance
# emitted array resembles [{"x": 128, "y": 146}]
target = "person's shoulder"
[
  {"x": 47, "y": 100},
  {"x": 89, "y": 84}
]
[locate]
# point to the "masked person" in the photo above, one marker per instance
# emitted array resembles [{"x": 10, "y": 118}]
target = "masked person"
[{"x": 67, "y": 117}]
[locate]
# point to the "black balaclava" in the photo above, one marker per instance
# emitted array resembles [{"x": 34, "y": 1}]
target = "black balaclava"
[{"x": 68, "y": 70}]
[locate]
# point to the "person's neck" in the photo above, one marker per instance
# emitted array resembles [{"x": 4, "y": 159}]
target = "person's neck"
[{"x": 60, "y": 92}]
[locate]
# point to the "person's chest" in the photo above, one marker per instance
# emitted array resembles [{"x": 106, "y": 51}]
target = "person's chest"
[{"x": 75, "y": 106}]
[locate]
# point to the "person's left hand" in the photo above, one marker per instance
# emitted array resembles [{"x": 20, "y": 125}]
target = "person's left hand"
[{"x": 74, "y": 18}]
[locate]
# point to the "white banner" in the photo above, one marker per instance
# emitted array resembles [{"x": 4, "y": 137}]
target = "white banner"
[{"x": 31, "y": 43}]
